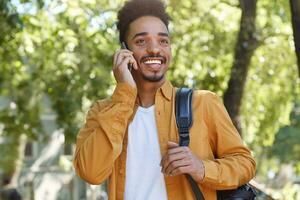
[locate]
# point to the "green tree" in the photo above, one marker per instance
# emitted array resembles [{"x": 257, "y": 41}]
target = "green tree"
[{"x": 10, "y": 25}]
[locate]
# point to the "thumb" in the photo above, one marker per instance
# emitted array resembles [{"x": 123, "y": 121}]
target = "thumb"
[{"x": 172, "y": 145}]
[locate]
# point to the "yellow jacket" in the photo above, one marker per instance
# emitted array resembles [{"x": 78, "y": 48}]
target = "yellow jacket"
[{"x": 101, "y": 144}]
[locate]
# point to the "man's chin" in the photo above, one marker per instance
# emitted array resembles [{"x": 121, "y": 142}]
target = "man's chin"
[{"x": 154, "y": 78}]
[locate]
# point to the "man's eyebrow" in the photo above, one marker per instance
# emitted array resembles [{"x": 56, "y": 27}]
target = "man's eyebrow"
[
  {"x": 145, "y": 33},
  {"x": 163, "y": 34},
  {"x": 139, "y": 34}
]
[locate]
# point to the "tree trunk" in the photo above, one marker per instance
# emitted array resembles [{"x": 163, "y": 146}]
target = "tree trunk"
[
  {"x": 19, "y": 160},
  {"x": 245, "y": 47},
  {"x": 295, "y": 13}
]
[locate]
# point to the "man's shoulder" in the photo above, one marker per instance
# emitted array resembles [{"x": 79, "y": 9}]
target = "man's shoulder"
[
  {"x": 203, "y": 94},
  {"x": 205, "y": 98}
]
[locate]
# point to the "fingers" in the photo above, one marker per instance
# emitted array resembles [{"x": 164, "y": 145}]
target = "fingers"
[
  {"x": 134, "y": 65},
  {"x": 175, "y": 155},
  {"x": 116, "y": 56},
  {"x": 168, "y": 159},
  {"x": 121, "y": 60},
  {"x": 180, "y": 160},
  {"x": 125, "y": 62},
  {"x": 172, "y": 144},
  {"x": 117, "y": 53},
  {"x": 175, "y": 150},
  {"x": 177, "y": 164},
  {"x": 120, "y": 57},
  {"x": 180, "y": 170}
]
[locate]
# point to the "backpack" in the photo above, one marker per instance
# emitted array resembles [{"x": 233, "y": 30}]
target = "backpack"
[{"x": 184, "y": 120}]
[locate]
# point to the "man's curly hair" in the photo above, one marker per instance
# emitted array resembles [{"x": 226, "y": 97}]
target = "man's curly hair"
[{"x": 134, "y": 9}]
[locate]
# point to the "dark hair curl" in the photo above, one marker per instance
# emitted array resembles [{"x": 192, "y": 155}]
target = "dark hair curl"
[{"x": 138, "y": 8}]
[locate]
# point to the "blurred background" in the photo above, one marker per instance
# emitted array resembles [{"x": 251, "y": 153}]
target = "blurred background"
[{"x": 56, "y": 60}]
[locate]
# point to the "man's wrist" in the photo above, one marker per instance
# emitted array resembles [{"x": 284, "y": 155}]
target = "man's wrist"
[
  {"x": 124, "y": 93},
  {"x": 199, "y": 175}
]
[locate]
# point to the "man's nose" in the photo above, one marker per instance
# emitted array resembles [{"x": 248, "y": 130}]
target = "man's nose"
[{"x": 153, "y": 48}]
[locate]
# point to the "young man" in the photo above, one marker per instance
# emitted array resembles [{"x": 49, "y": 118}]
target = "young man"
[{"x": 131, "y": 139}]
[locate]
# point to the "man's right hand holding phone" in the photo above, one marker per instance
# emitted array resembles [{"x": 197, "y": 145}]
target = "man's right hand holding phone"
[{"x": 122, "y": 59}]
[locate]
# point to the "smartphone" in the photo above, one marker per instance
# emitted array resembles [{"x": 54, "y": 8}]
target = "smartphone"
[{"x": 123, "y": 46}]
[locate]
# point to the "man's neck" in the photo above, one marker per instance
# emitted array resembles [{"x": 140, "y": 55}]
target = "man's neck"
[{"x": 147, "y": 91}]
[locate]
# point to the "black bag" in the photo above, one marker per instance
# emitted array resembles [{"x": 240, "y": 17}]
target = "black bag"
[{"x": 184, "y": 120}]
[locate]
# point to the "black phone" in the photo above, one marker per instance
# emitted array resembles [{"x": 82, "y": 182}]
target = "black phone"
[{"x": 123, "y": 46}]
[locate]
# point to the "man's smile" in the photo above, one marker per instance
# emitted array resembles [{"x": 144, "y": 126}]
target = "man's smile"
[
  {"x": 150, "y": 60},
  {"x": 153, "y": 61}
]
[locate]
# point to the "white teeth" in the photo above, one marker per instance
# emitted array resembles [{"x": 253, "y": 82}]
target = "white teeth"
[{"x": 153, "y": 62}]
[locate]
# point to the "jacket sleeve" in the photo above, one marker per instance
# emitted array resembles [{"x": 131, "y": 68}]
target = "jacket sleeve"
[
  {"x": 99, "y": 142},
  {"x": 233, "y": 164}
]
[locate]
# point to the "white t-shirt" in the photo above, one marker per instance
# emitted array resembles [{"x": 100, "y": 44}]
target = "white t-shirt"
[{"x": 144, "y": 180}]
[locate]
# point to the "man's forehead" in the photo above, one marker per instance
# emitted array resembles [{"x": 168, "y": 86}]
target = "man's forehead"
[{"x": 147, "y": 25}]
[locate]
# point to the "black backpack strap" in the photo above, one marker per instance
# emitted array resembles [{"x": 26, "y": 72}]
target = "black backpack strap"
[
  {"x": 184, "y": 115},
  {"x": 197, "y": 192},
  {"x": 184, "y": 120}
]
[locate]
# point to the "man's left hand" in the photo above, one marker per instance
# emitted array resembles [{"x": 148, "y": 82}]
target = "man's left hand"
[{"x": 180, "y": 160}]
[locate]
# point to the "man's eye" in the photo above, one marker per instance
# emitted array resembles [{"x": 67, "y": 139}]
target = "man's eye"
[
  {"x": 140, "y": 42},
  {"x": 164, "y": 42}
]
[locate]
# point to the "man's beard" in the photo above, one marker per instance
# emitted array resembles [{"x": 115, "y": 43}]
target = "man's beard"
[{"x": 153, "y": 78}]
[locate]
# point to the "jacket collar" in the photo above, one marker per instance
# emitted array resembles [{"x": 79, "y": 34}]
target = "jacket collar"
[{"x": 166, "y": 89}]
